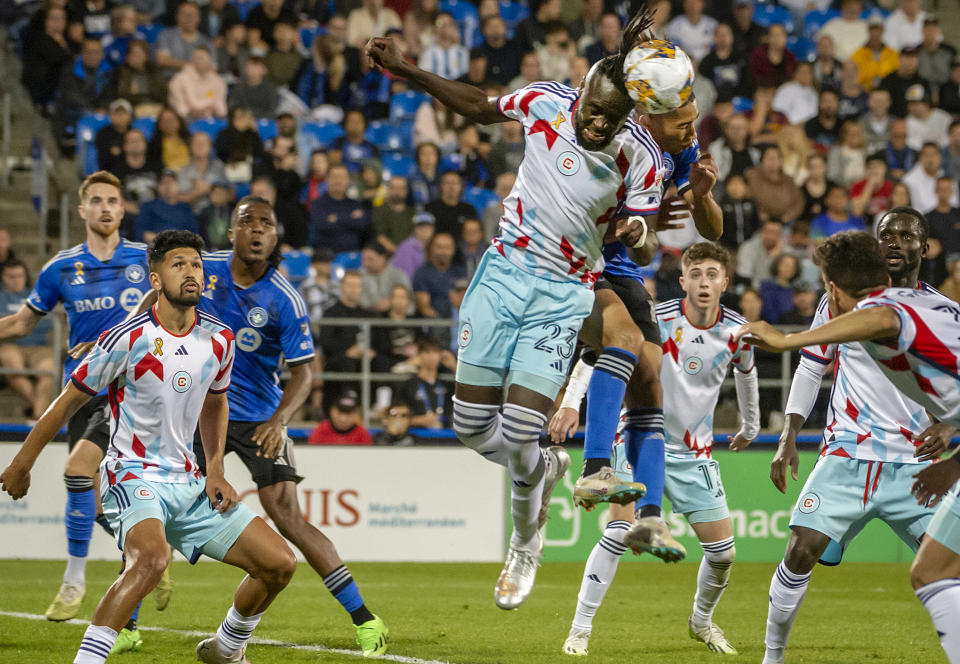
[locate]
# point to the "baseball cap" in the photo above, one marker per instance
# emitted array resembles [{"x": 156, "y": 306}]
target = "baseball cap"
[
  {"x": 916, "y": 92},
  {"x": 347, "y": 402},
  {"x": 424, "y": 218},
  {"x": 168, "y": 173},
  {"x": 910, "y": 50},
  {"x": 120, "y": 103},
  {"x": 875, "y": 20}
]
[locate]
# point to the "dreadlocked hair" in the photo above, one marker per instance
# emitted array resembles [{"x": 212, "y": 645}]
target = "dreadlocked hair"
[{"x": 634, "y": 33}]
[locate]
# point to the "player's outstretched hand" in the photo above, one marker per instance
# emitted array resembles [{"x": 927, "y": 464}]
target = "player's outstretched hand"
[
  {"x": 269, "y": 438},
  {"x": 786, "y": 457},
  {"x": 563, "y": 424},
  {"x": 740, "y": 442},
  {"x": 934, "y": 481},
  {"x": 763, "y": 335},
  {"x": 703, "y": 175},
  {"x": 15, "y": 480},
  {"x": 673, "y": 214},
  {"x": 936, "y": 438},
  {"x": 222, "y": 496},
  {"x": 384, "y": 54},
  {"x": 81, "y": 349}
]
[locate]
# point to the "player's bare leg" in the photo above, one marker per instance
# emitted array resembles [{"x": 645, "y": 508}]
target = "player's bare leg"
[
  {"x": 935, "y": 575},
  {"x": 719, "y": 552}
]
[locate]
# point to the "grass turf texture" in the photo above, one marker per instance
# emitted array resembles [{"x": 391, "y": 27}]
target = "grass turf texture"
[{"x": 857, "y": 612}]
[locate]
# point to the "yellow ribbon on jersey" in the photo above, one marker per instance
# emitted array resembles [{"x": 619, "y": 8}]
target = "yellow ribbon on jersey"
[
  {"x": 79, "y": 269},
  {"x": 212, "y": 284},
  {"x": 158, "y": 347}
]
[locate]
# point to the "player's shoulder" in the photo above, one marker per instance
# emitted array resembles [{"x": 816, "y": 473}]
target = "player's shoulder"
[
  {"x": 219, "y": 256},
  {"x": 211, "y": 324},
  {"x": 130, "y": 248},
  {"x": 66, "y": 256},
  {"x": 669, "y": 309},
  {"x": 731, "y": 318},
  {"x": 111, "y": 338},
  {"x": 554, "y": 89},
  {"x": 929, "y": 290},
  {"x": 645, "y": 148},
  {"x": 290, "y": 297}
]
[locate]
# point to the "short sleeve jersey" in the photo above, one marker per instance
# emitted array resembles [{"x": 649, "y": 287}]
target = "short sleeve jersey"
[
  {"x": 270, "y": 322},
  {"x": 95, "y": 294},
  {"x": 923, "y": 361},
  {"x": 695, "y": 363},
  {"x": 557, "y": 213},
  {"x": 868, "y": 419},
  {"x": 156, "y": 383}
]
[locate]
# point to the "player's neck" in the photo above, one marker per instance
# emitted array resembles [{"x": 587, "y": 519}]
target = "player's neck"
[
  {"x": 701, "y": 318},
  {"x": 911, "y": 280},
  {"x": 102, "y": 246},
  {"x": 174, "y": 318},
  {"x": 246, "y": 274}
]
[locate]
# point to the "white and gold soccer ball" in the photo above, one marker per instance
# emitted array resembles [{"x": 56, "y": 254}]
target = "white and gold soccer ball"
[{"x": 658, "y": 76}]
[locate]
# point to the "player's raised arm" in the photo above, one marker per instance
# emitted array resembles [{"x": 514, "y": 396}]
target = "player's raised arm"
[
  {"x": 863, "y": 325},
  {"x": 707, "y": 214},
  {"x": 466, "y": 100}
]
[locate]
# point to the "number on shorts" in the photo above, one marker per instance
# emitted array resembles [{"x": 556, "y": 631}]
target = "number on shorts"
[
  {"x": 564, "y": 348},
  {"x": 709, "y": 470},
  {"x": 553, "y": 331}
]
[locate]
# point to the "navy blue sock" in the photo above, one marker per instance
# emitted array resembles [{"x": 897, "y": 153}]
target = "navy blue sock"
[
  {"x": 341, "y": 585},
  {"x": 645, "y": 451},
  {"x": 132, "y": 623},
  {"x": 80, "y": 513},
  {"x": 608, "y": 384}
]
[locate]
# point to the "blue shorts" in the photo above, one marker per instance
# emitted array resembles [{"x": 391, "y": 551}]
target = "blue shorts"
[
  {"x": 843, "y": 495},
  {"x": 945, "y": 524},
  {"x": 192, "y": 525},
  {"x": 512, "y": 321}
]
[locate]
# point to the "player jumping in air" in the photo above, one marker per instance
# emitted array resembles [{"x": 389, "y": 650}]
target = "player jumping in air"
[
  {"x": 875, "y": 441},
  {"x": 911, "y": 335},
  {"x": 699, "y": 348},
  {"x": 586, "y": 164},
  {"x": 166, "y": 370}
]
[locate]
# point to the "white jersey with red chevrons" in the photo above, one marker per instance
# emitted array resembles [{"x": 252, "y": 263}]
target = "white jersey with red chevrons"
[
  {"x": 557, "y": 213},
  {"x": 695, "y": 363},
  {"x": 868, "y": 418},
  {"x": 923, "y": 361},
  {"x": 156, "y": 383}
]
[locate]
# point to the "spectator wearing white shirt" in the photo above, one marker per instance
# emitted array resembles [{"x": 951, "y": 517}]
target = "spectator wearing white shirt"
[
  {"x": 848, "y": 31},
  {"x": 693, "y": 31},
  {"x": 797, "y": 99},
  {"x": 447, "y": 57},
  {"x": 904, "y": 27},
  {"x": 924, "y": 123},
  {"x": 370, "y": 20},
  {"x": 921, "y": 180}
]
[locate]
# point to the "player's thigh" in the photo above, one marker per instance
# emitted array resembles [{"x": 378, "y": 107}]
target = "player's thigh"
[
  {"x": 281, "y": 504},
  {"x": 265, "y": 471},
  {"x": 897, "y": 506},
  {"x": 695, "y": 489},
  {"x": 258, "y": 549},
  {"x": 713, "y": 531},
  {"x": 145, "y": 543},
  {"x": 835, "y": 498},
  {"x": 84, "y": 459},
  {"x": 939, "y": 554},
  {"x": 610, "y": 323},
  {"x": 91, "y": 423},
  {"x": 640, "y": 305},
  {"x": 196, "y": 528},
  {"x": 130, "y": 502}
]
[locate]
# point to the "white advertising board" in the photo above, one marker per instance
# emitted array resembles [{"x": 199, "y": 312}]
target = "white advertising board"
[{"x": 375, "y": 503}]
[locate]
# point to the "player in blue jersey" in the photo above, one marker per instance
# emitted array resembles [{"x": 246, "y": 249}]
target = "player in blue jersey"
[{"x": 97, "y": 283}]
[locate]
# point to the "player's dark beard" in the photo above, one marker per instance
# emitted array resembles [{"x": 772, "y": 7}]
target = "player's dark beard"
[{"x": 182, "y": 299}]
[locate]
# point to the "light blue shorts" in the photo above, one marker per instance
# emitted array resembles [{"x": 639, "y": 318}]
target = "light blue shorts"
[
  {"x": 192, "y": 525},
  {"x": 693, "y": 486},
  {"x": 945, "y": 524},
  {"x": 512, "y": 321},
  {"x": 843, "y": 495}
]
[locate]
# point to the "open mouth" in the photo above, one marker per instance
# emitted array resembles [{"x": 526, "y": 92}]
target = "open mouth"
[
  {"x": 894, "y": 258},
  {"x": 256, "y": 245},
  {"x": 191, "y": 286}
]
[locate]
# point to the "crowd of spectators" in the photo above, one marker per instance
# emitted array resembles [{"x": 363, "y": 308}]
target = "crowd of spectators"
[{"x": 821, "y": 115}]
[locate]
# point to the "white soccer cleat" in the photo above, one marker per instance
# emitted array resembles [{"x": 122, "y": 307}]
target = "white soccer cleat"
[
  {"x": 519, "y": 572},
  {"x": 208, "y": 651},
  {"x": 66, "y": 604},
  {"x": 557, "y": 463},
  {"x": 605, "y": 487},
  {"x": 712, "y": 636},
  {"x": 651, "y": 534},
  {"x": 576, "y": 643}
]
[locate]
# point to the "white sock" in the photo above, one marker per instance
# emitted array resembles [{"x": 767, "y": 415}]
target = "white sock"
[
  {"x": 712, "y": 579},
  {"x": 941, "y": 599},
  {"x": 235, "y": 630},
  {"x": 599, "y": 572},
  {"x": 96, "y": 645},
  {"x": 478, "y": 426},
  {"x": 75, "y": 573},
  {"x": 786, "y": 594},
  {"x": 521, "y": 433}
]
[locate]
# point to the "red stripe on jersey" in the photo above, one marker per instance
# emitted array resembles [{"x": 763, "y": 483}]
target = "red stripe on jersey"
[
  {"x": 217, "y": 349},
  {"x": 499, "y": 245},
  {"x": 148, "y": 363},
  {"x": 139, "y": 448},
  {"x": 898, "y": 363},
  {"x": 135, "y": 335},
  {"x": 187, "y": 466},
  {"x": 924, "y": 384},
  {"x": 548, "y": 132},
  {"x": 129, "y": 476},
  {"x": 111, "y": 478},
  {"x": 906, "y": 433},
  {"x": 862, "y": 437},
  {"x": 669, "y": 346},
  {"x": 929, "y": 346},
  {"x": 519, "y": 211},
  {"x": 510, "y": 103},
  {"x": 650, "y": 177},
  {"x": 224, "y": 371},
  {"x": 521, "y": 242},
  {"x": 623, "y": 164},
  {"x": 866, "y": 485},
  {"x": 852, "y": 411},
  {"x": 80, "y": 373},
  {"x": 524, "y": 104},
  {"x": 876, "y": 478}
]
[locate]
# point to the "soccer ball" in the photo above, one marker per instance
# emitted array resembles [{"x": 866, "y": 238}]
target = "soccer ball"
[{"x": 658, "y": 76}]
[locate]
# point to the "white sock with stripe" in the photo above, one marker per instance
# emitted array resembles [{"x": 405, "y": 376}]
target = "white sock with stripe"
[
  {"x": 235, "y": 630},
  {"x": 786, "y": 594},
  {"x": 941, "y": 599},
  {"x": 96, "y": 645},
  {"x": 598, "y": 574},
  {"x": 712, "y": 579}
]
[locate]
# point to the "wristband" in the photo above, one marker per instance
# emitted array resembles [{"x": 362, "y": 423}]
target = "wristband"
[{"x": 643, "y": 238}]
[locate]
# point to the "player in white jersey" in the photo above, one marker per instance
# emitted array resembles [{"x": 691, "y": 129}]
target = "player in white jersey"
[
  {"x": 166, "y": 370},
  {"x": 586, "y": 164},
  {"x": 698, "y": 349},
  {"x": 875, "y": 440},
  {"x": 911, "y": 335}
]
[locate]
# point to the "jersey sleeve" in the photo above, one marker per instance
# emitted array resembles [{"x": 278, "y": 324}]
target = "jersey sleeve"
[
  {"x": 46, "y": 292},
  {"x": 518, "y": 105},
  {"x": 681, "y": 170},
  {"x": 644, "y": 180},
  {"x": 296, "y": 339},
  {"x": 104, "y": 364},
  {"x": 887, "y": 348},
  {"x": 823, "y": 353},
  {"x": 228, "y": 347},
  {"x": 743, "y": 359}
]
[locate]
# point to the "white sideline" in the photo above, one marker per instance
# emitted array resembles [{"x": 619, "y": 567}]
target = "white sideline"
[{"x": 254, "y": 640}]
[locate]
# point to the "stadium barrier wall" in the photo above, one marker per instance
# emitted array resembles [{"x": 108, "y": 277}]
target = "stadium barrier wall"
[{"x": 376, "y": 504}]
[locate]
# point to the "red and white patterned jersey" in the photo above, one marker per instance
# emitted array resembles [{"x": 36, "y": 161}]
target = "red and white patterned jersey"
[
  {"x": 695, "y": 363},
  {"x": 868, "y": 418},
  {"x": 923, "y": 361},
  {"x": 157, "y": 382},
  {"x": 556, "y": 215}
]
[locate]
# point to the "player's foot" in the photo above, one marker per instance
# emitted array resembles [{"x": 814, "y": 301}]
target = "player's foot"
[
  {"x": 127, "y": 641},
  {"x": 66, "y": 604},
  {"x": 576, "y": 643},
  {"x": 161, "y": 594},
  {"x": 650, "y": 534},
  {"x": 557, "y": 463},
  {"x": 208, "y": 651},
  {"x": 712, "y": 636},
  {"x": 773, "y": 656},
  {"x": 605, "y": 487},
  {"x": 519, "y": 572},
  {"x": 372, "y": 637}
]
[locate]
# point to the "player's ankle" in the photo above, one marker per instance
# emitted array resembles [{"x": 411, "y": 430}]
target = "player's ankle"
[
  {"x": 650, "y": 510},
  {"x": 591, "y": 466}
]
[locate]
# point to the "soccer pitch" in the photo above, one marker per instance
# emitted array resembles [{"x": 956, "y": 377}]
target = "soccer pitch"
[{"x": 444, "y": 613}]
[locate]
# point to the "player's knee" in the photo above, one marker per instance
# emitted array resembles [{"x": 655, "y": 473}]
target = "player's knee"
[
  {"x": 473, "y": 423},
  {"x": 802, "y": 555},
  {"x": 627, "y": 338},
  {"x": 920, "y": 576},
  {"x": 278, "y": 574},
  {"x": 726, "y": 557},
  {"x": 148, "y": 567}
]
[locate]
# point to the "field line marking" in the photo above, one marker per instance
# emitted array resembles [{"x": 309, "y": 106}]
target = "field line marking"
[{"x": 256, "y": 640}]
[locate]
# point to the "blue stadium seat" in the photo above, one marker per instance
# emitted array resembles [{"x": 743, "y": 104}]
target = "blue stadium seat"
[
  {"x": 391, "y": 136},
  {"x": 150, "y": 32},
  {"x": 742, "y": 104},
  {"x": 308, "y": 34},
  {"x": 267, "y": 128},
  {"x": 802, "y": 48},
  {"x": 404, "y": 106},
  {"x": 480, "y": 198},
  {"x": 766, "y": 15},
  {"x": 345, "y": 260},
  {"x": 211, "y": 126},
  {"x": 396, "y": 163},
  {"x": 87, "y": 128},
  {"x": 146, "y": 125},
  {"x": 315, "y": 135},
  {"x": 296, "y": 265},
  {"x": 512, "y": 12},
  {"x": 244, "y": 6},
  {"x": 816, "y": 20}
]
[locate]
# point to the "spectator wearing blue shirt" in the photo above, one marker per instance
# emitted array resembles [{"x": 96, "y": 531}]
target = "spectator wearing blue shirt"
[
  {"x": 433, "y": 281},
  {"x": 353, "y": 147},
  {"x": 777, "y": 292},
  {"x": 166, "y": 212},
  {"x": 338, "y": 223},
  {"x": 837, "y": 217}
]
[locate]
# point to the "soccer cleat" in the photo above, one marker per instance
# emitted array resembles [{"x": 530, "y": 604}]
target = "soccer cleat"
[
  {"x": 605, "y": 487},
  {"x": 372, "y": 637},
  {"x": 127, "y": 641},
  {"x": 66, "y": 604},
  {"x": 576, "y": 643},
  {"x": 161, "y": 594},
  {"x": 712, "y": 636},
  {"x": 519, "y": 572},
  {"x": 557, "y": 463},
  {"x": 650, "y": 534},
  {"x": 208, "y": 651}
]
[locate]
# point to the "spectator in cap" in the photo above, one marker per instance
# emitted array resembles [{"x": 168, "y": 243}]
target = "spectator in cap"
[
  {"x": 411, "y": 253},
  {"x": 900, "y": 81},
  {"x": 379, "y": 278},
  {"x": 197, "y": 178},
  {"x": 903, "y": 28},
  {"x": 875, "y": 59},
  {"x": 848, "y": 31},
  {"x": 924, "y": 123},
  {"x": 343, "y": 426},
  {"x": 165, "y": 212},
  {"x": 392, "y": 222},
  {"x": 109, "y": 140},
  {"x": 935, "y": 58},
  {"x": 197, "y": 91}
]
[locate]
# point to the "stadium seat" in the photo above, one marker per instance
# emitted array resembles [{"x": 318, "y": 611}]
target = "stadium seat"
[
  {"x": 391, "y": 136},
  {"x": 766, "y": 15},
  {"x": 308, "y": 34},
  {"x": 404, "y": 105},
  {"x": 267, "y": 128},
  {"x": 802, "y": 48},
  {"x": 315, "y": 135},
  {"x": 87, "y": 128},
  {"x": 146, "y": 125},
  {"x": 742, "y": 104},
  {"x": 211, "y": 126},
  {"x": 816, "y": 20},
  {"x": 150, "y": 32},
  {"x": 396, "y": 163},
  {"x": 296, "y": 265},
  {"x": 345, "y": 260},
  {"x": 480, "y": 198}
]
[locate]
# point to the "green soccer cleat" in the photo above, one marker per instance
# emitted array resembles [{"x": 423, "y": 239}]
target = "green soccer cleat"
[
  {"x": 127, "y": 641},
  {"x": 161, "y": 594},
  {"x": 372, "y": 637},
  {"x": 712, "y": 636},
  {"x": 66, "y": 604}
]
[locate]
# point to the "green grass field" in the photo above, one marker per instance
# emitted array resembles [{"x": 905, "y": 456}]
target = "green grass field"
[{"x": 858, "y": 612}]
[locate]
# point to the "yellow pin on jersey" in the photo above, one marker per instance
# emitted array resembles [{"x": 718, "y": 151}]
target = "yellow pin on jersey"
[
  {"x": 679, "y": 335},
  {"x": 212, "y": 282},
  {"x": 158, "y": 347},
  {"x": 559, "y": 121}
]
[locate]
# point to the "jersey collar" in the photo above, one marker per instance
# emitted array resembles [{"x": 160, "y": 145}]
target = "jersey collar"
[
  {"x": 683, "y": 310},
  {"x": 153, "y": 317}
]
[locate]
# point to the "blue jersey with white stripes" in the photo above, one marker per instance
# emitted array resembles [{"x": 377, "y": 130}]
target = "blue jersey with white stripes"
[
  {"x": 270, "y": 323},
  {"x": 676, "y": 170},
  {"x": 95, "y": 294}
]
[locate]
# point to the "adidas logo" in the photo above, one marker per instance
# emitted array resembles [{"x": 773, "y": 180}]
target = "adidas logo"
[
  {"x": 698, "y": 340},
  {"x": 76, "y": 513},
  {"x": 595, "y": 578},
  {"x": 181, "y": 351},
  {"x": 557, "y": 365}
]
